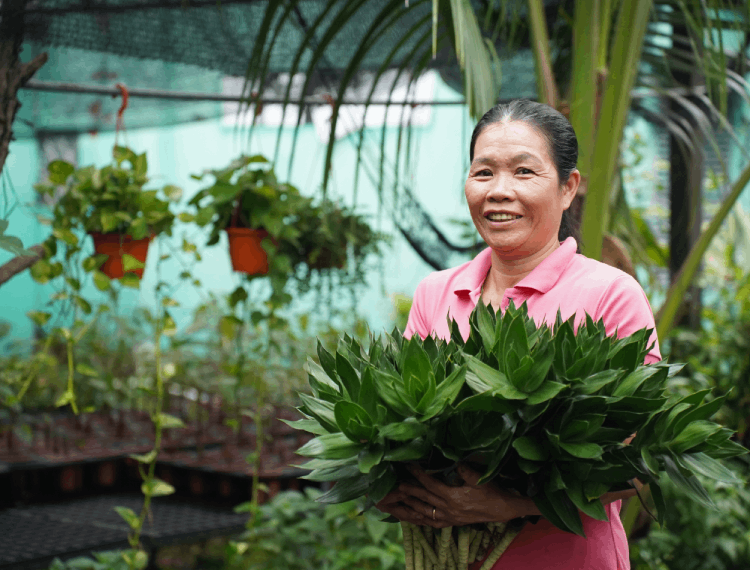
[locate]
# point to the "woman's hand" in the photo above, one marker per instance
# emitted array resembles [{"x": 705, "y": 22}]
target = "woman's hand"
[{"x": 439, "y": 505}]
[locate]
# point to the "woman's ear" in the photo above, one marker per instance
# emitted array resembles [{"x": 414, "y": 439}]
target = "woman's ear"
[{"x": 570, "y": 188}]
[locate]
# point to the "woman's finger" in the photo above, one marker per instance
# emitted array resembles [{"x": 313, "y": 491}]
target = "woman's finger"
[
  {"x": 423, "y": 495},
  {"x": 392, "y": 498},
  {"x": 429, "y": 483}
]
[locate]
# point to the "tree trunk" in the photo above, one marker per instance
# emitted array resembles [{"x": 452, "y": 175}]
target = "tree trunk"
[
  {"x": 13, "y": 73},
  {"x": 685, "y": 199}
]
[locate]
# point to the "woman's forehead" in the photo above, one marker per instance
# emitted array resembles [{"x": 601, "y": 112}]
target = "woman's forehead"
[{"x": 510, "y": 141}]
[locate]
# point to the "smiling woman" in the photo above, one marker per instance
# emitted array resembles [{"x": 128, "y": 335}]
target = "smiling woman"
[{"x": 521, "y": 181}]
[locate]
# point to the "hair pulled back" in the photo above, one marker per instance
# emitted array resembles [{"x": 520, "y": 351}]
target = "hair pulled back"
[{"x": 562, "y": 143}]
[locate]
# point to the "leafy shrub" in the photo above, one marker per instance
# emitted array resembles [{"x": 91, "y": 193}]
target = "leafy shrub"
[
  {"x": 718, "y": 358},
  {"x": 697, "y": 537},
  {"x": 294, "y": 532}
]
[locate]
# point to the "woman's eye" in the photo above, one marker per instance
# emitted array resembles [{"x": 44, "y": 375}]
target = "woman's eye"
[
  {"x": 484, "y": 172},
  {"x": 524, "y": 171}
]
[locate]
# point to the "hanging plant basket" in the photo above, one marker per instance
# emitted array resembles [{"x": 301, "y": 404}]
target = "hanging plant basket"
[
  {"x": 115, "y": 246},
  {"x": 246, "y": 251}
]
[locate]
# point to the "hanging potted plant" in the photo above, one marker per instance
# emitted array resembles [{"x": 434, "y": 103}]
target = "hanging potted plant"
[
  {"x": 248, "y": 202},
  {"x": 327, "y": 240},
  {"x": 111, "y": 206}
]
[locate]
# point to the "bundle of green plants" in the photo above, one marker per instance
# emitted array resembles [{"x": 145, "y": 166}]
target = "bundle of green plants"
[{"x": 542, "y": 411}]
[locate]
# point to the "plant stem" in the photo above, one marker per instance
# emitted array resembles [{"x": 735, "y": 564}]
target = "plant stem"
[
  {"x": 502, "y": 546},
  {"x": 428, "y": 550},
  {"x": 147, "y": 486},
  {"x": 33, "y": 368},
  {"x": 70, "y": 342},
  {"x": 408, "y": 545}
]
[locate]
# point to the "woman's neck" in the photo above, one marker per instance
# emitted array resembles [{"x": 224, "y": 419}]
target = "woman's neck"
[{"x": 506, "y": 273}]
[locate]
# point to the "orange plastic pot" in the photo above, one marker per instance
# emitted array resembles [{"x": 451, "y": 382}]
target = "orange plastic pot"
[
  {"x": 115, "y": 246},
  {"x": 246, "y": 251}
]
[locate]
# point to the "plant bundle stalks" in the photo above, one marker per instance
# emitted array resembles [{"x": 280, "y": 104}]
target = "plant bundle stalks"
[{"x": 457, "y": 547}]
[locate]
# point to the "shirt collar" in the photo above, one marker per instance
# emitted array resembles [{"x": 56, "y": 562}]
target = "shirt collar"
[{"x": 541, "y": 278}]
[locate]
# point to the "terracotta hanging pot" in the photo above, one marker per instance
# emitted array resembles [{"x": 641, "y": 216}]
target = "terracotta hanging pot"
[
  {"x": 115, "y": 246},
  {"x": 246, "y": 251}
]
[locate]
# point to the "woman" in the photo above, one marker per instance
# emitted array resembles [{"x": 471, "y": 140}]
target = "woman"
[{"x": 521, "y": 181}]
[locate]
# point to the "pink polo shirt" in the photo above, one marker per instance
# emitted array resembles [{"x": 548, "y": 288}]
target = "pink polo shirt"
[{"x": 572, "y": 283}]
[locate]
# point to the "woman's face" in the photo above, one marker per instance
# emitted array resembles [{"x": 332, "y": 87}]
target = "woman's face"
[{"x": 513, "y": 173}]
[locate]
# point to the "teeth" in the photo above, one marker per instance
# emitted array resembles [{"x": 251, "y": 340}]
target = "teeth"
[{"x": 502, "y": 217}]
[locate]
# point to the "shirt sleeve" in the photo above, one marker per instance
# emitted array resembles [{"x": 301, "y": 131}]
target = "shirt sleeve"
[
  {"x": 624, "y": 307},
  {"x": 418, "y": 320}
]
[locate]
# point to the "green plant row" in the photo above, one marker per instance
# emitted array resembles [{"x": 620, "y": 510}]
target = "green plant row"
[{"x": 540, "y": 410}]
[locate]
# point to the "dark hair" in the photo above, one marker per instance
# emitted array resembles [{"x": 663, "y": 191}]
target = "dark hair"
[{"x": 562, "y": 143}]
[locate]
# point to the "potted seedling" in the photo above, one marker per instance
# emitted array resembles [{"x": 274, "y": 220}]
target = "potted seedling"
[
  {"x": 541, "y": 411},
  {"x": 112, "y": 206}
]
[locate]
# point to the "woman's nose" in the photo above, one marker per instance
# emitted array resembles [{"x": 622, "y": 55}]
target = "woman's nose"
[{"x": 501, "y": 189}]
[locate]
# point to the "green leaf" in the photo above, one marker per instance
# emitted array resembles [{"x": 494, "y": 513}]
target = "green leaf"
[
  {"x": 239, "y": 295},
  {"x": 172, "y": 192},
  {"x": 130, "y": 263},
  {"x": 140, "y": 164},
  {"x": 146, "y": 458},
  {"x": 592, "y": 508},
  {"x": 65, "y": 235},
  {"x": 560, "y": 510},
  {"x": 353, "y": 421},
  {"x": 709, "y": 467},
  {"x": 310, "y": 426},
  {"x": 332, "y": 473},
  {"x": 346, "y": 490},
  {"x": 330, "y": 446},
  {"x": 108, "y": 221},
  {"x": 130, "y": 280},
  {"x": 348, "y": 375},
  {"x": 412, "y": 451},
  {"x": 67, "y": 397},
  {"x": 101, "y": 281},
  {"x": 583, "y": 450},
  {"x": 546, "y": 392},
  {"x": 59, "y": 171},
  {"x": 369, "y": 458},
  {"x": 157, "y": 488},
  {"x": 530, "y": 449},
  {"x": 86, "y": 370},
  {"x": 490, "y": 379},
  {"x": 40, "y": 318},
  {"x": 322, "y": 411},
  {"x": 596, "y": 382},
  {"x": 168, "y": 421},
  {"x": 406, "y": 430},
  {"x": 632, "y": 381},
  {"x": 687, "y": 482},
  {"x": 82, "y": 304},
  {"x": 129, "y": 517},
  {"x": 229, "y": 327},
  {"x": 694, "y": 434},
  {"x": 382, "y": 486},
  {"x": 169, "y": 327}
]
